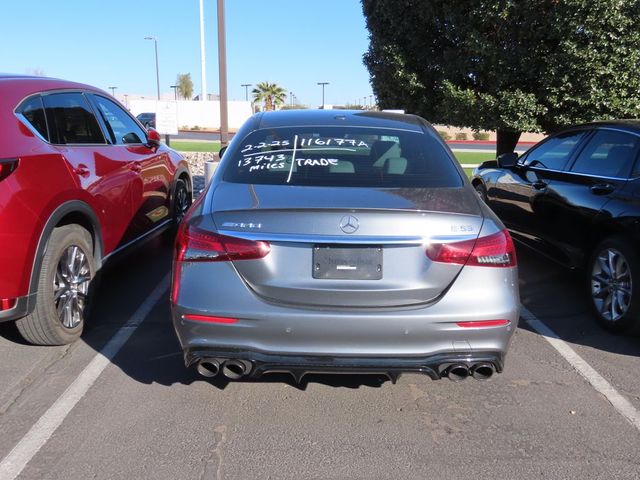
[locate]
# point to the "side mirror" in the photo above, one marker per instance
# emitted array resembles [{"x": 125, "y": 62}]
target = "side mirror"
[
  {"x": 153, "y": 138},
  {"x": 488, "y": 164},
  {"x": 221, "y": 152},
  {"x": 507, "y": 160}
]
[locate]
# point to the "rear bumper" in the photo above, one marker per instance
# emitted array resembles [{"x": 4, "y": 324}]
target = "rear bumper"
[
  {"x": 277, "y": 337},
  {"x": 260, "y": 363},
  {"x": 24, "y": 306}
]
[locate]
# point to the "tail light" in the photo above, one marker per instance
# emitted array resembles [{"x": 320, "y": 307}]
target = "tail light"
[
  {"x": 494, "y": 250},
  {"x": 197, "y": 245},
  {"x": 7, "y": 167}
]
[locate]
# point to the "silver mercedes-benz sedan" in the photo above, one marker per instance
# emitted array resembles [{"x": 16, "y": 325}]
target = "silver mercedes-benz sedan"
[{"x": 343, "y": 242}]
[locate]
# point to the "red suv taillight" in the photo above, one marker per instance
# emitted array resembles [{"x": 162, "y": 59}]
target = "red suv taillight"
[
  {"x": 494, "y": 250},
  {"x": 7, "y": 167},
  {"x": 197, "y": 245}
]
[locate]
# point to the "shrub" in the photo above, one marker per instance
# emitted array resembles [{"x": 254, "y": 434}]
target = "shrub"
[
  {"x": 461, "y": 136},
  {"x": 195, "y": 127},
  {"x": 481, "y": 135},
  {"x": 445, "y": 136}
]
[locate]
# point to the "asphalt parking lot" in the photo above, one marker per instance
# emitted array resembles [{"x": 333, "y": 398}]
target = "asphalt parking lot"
[{"x": 143, "y": 415}]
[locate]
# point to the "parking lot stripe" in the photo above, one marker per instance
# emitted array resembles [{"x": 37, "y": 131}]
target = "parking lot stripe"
[
  {"x": 13, "y": 464},
  {"x": 597, "y": 381}
]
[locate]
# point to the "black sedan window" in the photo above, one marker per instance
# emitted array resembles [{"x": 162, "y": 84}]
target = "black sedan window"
[
  {"x": 608, "y": 154},
  {"x": 341, "y": 157},
  {"x": 555, "y": 152}
]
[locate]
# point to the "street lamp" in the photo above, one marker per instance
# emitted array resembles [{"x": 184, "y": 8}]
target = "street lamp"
[
  {"x": 246, "y": 90},
  {"x": 113, "y": 91},
  {"x": 323, "y": 84},
  {"x": 175, "y": 91},
  {"x": 155, "y": 43},
  {"x": 291, "y": 98}
]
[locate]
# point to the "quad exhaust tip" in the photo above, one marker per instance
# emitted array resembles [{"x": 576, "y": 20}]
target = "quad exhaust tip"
[
  {"x": 208, "y": 367},
  {"x": 457, "y": 372},
  {"x": 483, "y": 371},
  {"x": 234, "y": 369}
]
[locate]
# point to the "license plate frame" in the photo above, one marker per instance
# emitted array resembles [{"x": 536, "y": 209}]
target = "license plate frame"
[{"x": 347, "y": 262}]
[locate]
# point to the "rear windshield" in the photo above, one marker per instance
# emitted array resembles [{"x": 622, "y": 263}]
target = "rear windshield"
[{"x": 341, "y": 157}]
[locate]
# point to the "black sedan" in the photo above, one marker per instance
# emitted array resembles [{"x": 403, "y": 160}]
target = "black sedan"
[{"x": 575, "y": 197}]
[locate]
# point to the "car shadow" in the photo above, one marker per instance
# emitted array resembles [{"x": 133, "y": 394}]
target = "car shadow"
[
  {"x": 9, "y": 332},
  {"x": 152, "y": 355},
  {"x": 558, "y": 297}
]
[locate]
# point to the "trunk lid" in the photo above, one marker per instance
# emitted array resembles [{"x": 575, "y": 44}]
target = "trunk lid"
[{"x": 346, "y": 247}]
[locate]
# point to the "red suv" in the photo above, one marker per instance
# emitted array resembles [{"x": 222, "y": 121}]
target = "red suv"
[{"x": 80, "y": 179}]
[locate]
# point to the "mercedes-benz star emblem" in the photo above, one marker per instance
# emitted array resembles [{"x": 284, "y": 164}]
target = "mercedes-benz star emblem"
[{"x": 349, "y": 224}]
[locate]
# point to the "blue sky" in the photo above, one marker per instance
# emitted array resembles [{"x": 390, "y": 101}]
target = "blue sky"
[{"x": 294, "y": 43}]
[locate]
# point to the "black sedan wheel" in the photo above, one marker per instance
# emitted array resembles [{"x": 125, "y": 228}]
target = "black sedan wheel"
[
  {"x": 481, "y": 192},
  {"x": 613, "y": 270}
]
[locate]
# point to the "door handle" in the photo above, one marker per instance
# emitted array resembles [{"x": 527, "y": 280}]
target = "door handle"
[
  {"x": 81, "y": 170},
  {"x": 539, "y": 185},
  {"x": 135, "y": 167},
  {"x": 602, "y": 188}
]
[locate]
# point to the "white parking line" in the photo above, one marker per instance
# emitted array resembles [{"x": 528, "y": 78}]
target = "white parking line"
[
  {"x": 13, "y": 464},
  {"x": 597, "y": 381}
]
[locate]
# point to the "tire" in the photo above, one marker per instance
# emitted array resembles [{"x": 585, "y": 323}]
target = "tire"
[
  {"x": 613, "y": 285},
  {"x": 181, "y": 201},
  {"x": 180, "y": 205},
  {"x": 60, "y": 321},
  {"x": 479, "y": 188}
]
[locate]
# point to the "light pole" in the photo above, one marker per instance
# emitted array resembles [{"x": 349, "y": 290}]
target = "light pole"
[
  {"x": 155, "y": 43},
  {"x": 126, "y": 101},
  {"x": 291, "y": 98},
  {"x": 370, "y": 101},
  {"x": 203, "y": 75},
  {"x": 175, "y": 92},
  {"x": 323, "y": 84},
  {"x": 222, "y": 68},
  {"x": 113, "y": 91},
  {"x": 246, "y": 90}
]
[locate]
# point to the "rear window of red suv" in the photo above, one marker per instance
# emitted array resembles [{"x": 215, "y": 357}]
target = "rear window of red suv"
[{"x": 32, "y": 111}]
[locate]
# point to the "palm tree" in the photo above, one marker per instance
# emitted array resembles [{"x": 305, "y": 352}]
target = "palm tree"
[
  {"x": 269, "y": 93},
  {"x": 185, "y": 85}
]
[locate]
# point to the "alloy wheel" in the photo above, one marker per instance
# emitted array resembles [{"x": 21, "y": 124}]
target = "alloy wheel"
[
  {"x": 71, "y": 286},
  {"x": 611, "y": 284},
  {"x": 181, "y": 203}
]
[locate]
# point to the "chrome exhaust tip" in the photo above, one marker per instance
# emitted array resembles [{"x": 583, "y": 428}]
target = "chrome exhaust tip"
[
  {"x": 234, "y": 369},
  {"x": 457, "y": 372},
  {"x": 208, "y": 367},
  {"x": 483, "y": 371}
]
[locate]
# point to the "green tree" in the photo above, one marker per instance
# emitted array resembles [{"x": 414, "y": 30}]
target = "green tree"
[
  {"x": 270, "y": 94},
  {"x": 506, "y": 65},
  {"x": 185, "y": 86}
]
